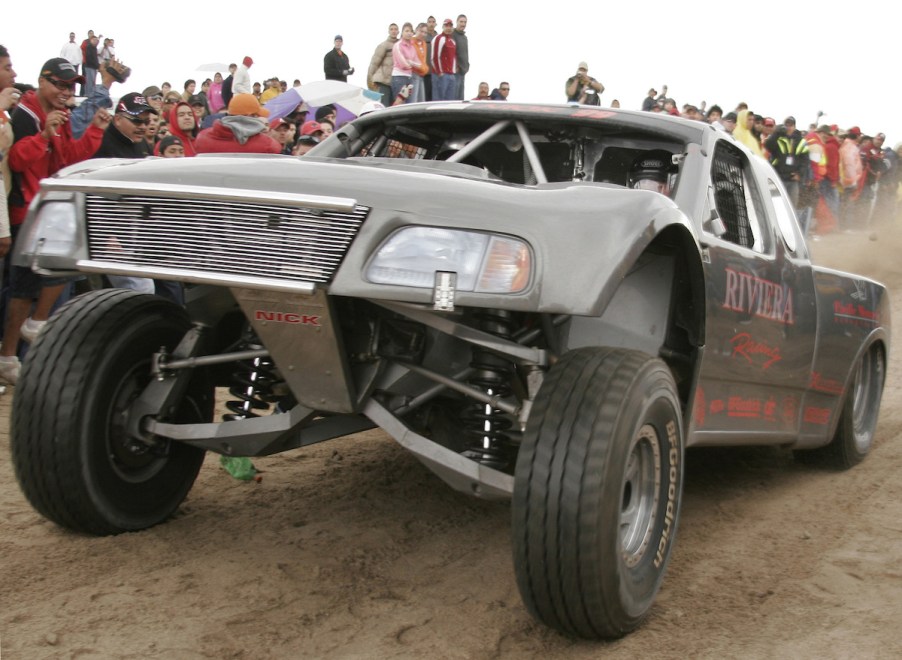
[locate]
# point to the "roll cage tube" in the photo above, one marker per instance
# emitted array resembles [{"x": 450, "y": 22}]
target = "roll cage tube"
[{"x": 494, "y": 130}]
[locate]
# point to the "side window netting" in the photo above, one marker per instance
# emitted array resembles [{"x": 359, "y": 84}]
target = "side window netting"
[{"x": 729, "y": 195}]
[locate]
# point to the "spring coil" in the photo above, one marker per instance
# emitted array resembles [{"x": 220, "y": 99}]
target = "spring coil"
[
  {"x": 252, "y": 387},
  {"x": 485, "y": 424}
]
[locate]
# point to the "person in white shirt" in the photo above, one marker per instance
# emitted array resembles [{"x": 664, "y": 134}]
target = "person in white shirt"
[
  {"x": 241, "y": 84},
  {"x": 72, "y": 51}
]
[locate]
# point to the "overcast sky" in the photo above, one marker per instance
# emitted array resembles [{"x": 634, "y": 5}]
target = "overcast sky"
[{"x": 781, "y": 57}]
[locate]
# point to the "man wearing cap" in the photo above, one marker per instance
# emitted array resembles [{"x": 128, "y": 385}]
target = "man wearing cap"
[
  {"x": 244, "y": 130},
  {"x": 312, "y": 128},
  {"x": 282, "y": 131},
  {"x": 582, "y": 88},
  {"x": 199, "y": 104},
  {"x": 378, "y": 76},
  {"x": 170, "y": 147},
  {"x": 305, "y": 143},
  {"x": 788, "y": 153},
  {"x": 242, "y": 81},
  {"x": 43, "y": 146},
  {"x": 154, "y": 97},
  {"x": 124, "y": 137},
  {"x": 444, "y": 64},
  {"x": 649, "y": 101},
  {"x": 336, "y": 64}
]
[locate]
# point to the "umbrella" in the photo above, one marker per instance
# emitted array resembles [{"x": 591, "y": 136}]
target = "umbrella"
[
  {"x": 351, "y": 97},
  {"x": 213, "y": 66},
  {"x": 348, "y": 99}
]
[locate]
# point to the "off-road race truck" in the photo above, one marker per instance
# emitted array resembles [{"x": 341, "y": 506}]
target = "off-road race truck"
[{"x": 542, "y": 303}]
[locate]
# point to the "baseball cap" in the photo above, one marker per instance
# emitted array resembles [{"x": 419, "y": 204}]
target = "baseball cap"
[
  {"x": 196, "y": 99},
  {"x": 789, "y": 120},
  {"x": 134, "y": 104},
  {"x": 307, "y": 139},
  {"x": 61, "y": 68},
  {"x": 247, "y": 61},
  {"x": 730, "y": 116},
  {"x": 168, "y": 141},
  {"x": 153, "y": 90},
  {"x": 275, "y": 123},
  {"x": 338, "y": 38},
  {"x": 582, "y": 65},
  {"x": 310, "y": 127},
  {"x": 447, "y": 21},
  {"x": 246, "y": 104},
  {"x": 854, "y": 131},
  {"x": 651, "y": 91}
]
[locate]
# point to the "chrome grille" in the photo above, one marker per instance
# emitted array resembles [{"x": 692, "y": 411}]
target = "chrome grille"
[{"x": 280, "y": 242}]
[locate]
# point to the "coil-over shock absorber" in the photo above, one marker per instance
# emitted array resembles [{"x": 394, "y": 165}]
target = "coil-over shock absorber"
[
  {"x": 254, "y": 383},
  {"x": 486, "y": 425}
]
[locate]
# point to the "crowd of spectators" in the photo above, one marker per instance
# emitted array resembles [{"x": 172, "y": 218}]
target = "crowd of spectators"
[{"x": 838, "y": 179}]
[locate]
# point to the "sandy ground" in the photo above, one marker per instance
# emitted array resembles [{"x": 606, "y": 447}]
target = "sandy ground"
[{"x": 353, "y": 550}]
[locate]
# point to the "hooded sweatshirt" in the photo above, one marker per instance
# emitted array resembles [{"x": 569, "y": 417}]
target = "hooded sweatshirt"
[
  {"x": 32, "y": 157},
  {"x": 186, "y": 138},
  {"x": 744, "y": 135},
  {"x": 237, "y": 134}
]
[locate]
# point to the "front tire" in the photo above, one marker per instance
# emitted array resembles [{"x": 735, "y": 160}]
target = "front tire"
[
  {"x": 72, "y": 456},
  {"x": 597, "y": 491}
]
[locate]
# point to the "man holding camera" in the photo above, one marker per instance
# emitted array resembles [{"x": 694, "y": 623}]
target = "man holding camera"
[{"x": 583, "y": 88}]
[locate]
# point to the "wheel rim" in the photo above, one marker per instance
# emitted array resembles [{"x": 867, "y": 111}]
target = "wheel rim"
[
  {"x": 131, "y": 460},
  {"x": 640, "y": 494},
  {"x": 864, "y": 398}
]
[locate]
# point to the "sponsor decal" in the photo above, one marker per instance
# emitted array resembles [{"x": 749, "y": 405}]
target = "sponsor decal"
[
  {"x": 593, "y": 114},
  {"x": 821, "y": 383},
  {"x": 759, "y": 297},
  {"x": 853, "y": 314},
  {"x": 738, "y": 406},
  {"x": 790, "y": 410},
  {"x": 670, "y": 510},
  {"x": 815, "y": 415},
  {"x": 286, "y": 317},
  {"x": 860, "y": 293},
  {"x": 746, "y": 347},
  {"x": 750, "y": 408}
]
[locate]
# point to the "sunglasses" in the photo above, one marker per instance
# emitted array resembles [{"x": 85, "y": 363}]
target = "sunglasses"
[
  {"x": 136, "y": 120},
  {"x": 155, "y": 97},
  {"x": 61, "y": 85}
]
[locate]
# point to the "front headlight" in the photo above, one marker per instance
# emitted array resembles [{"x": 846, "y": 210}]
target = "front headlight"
[
  {"x": 53, "y": 232},
  {"x": 484, "y": 263}
]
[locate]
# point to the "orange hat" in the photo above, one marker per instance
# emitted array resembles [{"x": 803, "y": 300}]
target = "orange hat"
[{"x": 248, "y": 105}]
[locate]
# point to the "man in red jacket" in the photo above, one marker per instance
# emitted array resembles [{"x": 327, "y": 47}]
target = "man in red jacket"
[
  {"x": 242, "y": 131},
  {"x": 43, "y": 146}
]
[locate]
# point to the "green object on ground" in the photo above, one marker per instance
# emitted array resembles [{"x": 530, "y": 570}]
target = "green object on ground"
[{"x": 239, "y": 467}]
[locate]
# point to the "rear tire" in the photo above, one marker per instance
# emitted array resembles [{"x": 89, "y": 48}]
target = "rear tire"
[
  {"x": 597, "y": 491},
  {"x": 72, "y": 456},
  {"x": 858, "y": 421}
]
